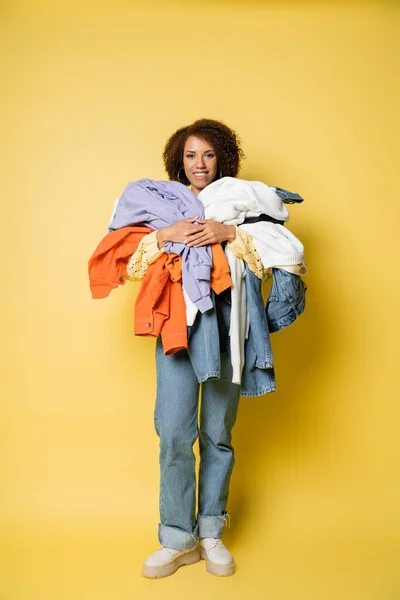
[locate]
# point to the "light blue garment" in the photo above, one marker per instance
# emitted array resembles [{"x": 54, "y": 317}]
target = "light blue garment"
[
  {"x": 176, "y": 423},
  {"x": 258, "y": 375},
  {"x": 286, "y": 300},
  {"x": 288, "y": 197},
  {"x": 159, "y": 204},
  {"x": 285, "y": 303},
  {"x": 176, "y": 410}
]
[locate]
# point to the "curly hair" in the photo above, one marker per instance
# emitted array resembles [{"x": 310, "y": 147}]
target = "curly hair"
[{"x": 224, "y": 140}]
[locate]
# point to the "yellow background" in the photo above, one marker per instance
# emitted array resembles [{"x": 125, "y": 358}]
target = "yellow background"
[{"x": 90, "y": 92}]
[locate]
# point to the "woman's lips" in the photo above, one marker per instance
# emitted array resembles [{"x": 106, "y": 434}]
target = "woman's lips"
[{"x": 200, "y": 175}]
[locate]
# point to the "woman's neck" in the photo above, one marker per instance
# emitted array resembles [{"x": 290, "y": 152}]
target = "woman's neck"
[{"x": 195, "y": 190}]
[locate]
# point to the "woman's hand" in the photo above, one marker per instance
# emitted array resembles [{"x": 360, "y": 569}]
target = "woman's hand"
[
  {"x": 209, "y": 232},
  {"x": 175, "y": 233}
]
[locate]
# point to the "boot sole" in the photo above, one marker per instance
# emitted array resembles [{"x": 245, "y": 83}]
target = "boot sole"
[
  {"x": 190, "y": 558},
  {"x": 214, "y": 568}
]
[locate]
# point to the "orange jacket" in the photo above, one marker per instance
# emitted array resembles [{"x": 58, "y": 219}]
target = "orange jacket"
[
  {"x": 107, "y": 265},
  {"x": 160, "y": 305}
]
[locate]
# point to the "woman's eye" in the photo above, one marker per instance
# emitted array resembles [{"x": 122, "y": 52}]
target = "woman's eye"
[{"x": 207, "y": 155}]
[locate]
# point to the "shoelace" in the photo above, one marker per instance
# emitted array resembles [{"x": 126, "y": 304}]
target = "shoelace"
[{"x": 218, "y": 543}]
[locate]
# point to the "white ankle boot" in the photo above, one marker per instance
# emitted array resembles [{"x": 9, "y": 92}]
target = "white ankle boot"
[
  {"x": 218, "y": 559},
  {"x": 166, "y": 561}
]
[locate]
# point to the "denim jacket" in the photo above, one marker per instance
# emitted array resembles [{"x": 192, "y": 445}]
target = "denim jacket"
[
  {"x": 288, "y": 197},
  {"x": 286, "y": 301},
  {"x": 258, "y": 375}
]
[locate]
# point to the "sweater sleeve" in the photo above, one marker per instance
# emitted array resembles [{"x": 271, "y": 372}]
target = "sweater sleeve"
[
  {"x": 146, "y": 253},
  {"x": 244, "y": 247}
]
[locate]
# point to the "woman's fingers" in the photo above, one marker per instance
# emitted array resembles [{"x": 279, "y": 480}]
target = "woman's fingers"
[
  {"x": 196, "y": 230},
  {"x": 200, "y": 241},
  {"x": 200, "y": 244},
  {"x": 194, "y": 238}
]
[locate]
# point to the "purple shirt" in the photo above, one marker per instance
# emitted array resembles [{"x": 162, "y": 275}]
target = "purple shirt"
[{"x": 159, "y": 204}]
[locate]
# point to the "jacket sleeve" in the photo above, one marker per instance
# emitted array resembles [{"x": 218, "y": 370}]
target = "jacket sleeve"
[
  {"x": 147, "y": 253},
  {"x": 243, "y": 247}
]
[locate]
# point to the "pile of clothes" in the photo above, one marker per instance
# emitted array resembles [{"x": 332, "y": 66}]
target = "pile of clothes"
[{"x": 179, "y": 283}]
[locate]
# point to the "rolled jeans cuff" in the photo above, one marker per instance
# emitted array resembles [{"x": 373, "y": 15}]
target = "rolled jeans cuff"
[
  {"x": 176, "y": 538},
  {"x": 211, "y": 526}
]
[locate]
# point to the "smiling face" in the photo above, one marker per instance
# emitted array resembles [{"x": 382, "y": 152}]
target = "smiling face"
[{"x": 199, "y": 163}]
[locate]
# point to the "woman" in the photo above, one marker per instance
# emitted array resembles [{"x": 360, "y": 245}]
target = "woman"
[
  {"x": 195, "y": 155},
  {"x": 228, "y": 356}
]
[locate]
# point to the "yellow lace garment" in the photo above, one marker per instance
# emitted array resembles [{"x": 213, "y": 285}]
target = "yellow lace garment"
[
  {"x": 244, "y": 247},
  {"x": 146, "y": 253}
]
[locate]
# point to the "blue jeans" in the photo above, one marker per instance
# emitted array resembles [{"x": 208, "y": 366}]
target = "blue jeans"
[{"x": 176, "y": 423}]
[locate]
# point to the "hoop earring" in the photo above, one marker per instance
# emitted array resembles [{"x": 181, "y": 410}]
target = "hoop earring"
[
  {"x": 178, "y": 176},
  {"x": 220, "y": 174}
]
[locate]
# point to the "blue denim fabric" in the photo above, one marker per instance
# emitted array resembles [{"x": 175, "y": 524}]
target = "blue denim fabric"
[
  {"x": 208, "y": 360},
  {"x": 288, "y": 197},
  {"x": 258, "y": 375},
  {"x": 176, "y": 423},
  {"x": 204, "y": 347},
  {"x": 286, "y": 300}
]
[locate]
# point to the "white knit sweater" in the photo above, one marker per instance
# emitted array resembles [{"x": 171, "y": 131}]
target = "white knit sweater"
[
  {"x": 230, "y": 201},
  {"x": 277, "y": 246}
]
